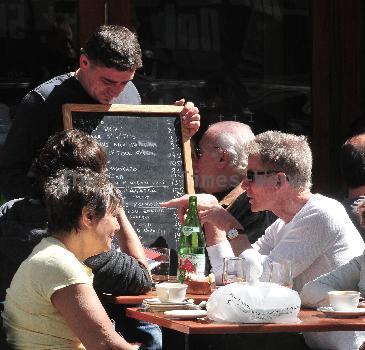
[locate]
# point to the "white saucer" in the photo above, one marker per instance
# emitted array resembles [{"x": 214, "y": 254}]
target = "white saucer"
[
  {"x": 151, "y": 300},
  {"x": 154, "y": 304},
  {"x": 156, "y": 307},
  {"x": 329, "y": 311},
  {"x": 156, "y": 301},
  {"x": 186, "y": 314}
]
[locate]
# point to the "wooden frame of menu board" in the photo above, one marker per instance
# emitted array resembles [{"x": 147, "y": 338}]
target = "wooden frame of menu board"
[{"x": 138, "y": 141}]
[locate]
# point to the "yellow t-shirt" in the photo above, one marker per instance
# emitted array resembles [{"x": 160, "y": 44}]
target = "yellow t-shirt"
[{"x": 30, "y": 319}]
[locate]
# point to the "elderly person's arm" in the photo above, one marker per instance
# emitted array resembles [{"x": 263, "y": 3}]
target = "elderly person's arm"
[
  {"x": 182, "y": 204},
  {"x": 309, "y": 236},
  {"x": 118, "y": 273},
  {"x": 345, "y": 277},
  {"x": 123, "y": 272},
  {"x": 222, "y": 249},
  {"x": 81, "y": 308},
  {"x": 128, "y": 240},
  {"x": 217, "y": 221}
]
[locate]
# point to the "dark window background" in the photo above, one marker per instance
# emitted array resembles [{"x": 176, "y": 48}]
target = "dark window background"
[
  {"x": 39, "y": 39},
  {"x": 248, "y": 60},
  {"x": 237, "y": 59}
]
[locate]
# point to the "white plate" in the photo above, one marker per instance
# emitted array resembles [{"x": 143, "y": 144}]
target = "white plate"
[
  {"x": 154, "y": 304},
  {"x": 328, "y": 311},
  {"x": 186, "y": 314},
  {"x": 156, "y": 301},
  {"x": 157, "y": 307}
]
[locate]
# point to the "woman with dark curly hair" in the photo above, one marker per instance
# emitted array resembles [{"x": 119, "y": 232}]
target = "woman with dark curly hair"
[
  {"x": 23, "y": 224},
  {"x": 51, "y": 302}
]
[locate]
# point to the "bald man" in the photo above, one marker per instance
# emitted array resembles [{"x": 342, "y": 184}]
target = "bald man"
[
  {"x": 353, "y": 171},
  {"x": 219, "y": 165}
]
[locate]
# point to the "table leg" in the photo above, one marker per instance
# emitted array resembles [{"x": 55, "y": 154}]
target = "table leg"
[{"x": 186, "y": 342}]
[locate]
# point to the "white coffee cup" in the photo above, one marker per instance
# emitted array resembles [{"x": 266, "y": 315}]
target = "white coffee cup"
[
  {"x": 171, "y": 292},
  {"x": 345, "y": 300}
]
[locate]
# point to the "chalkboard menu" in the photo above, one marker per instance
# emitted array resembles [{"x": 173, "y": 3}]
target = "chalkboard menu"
[{"x": 149, "y": 160}]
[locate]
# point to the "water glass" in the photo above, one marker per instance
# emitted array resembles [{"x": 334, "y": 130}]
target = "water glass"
[
  {"x": 279, "y": 272},
  {"x": 233, "y": 270}
]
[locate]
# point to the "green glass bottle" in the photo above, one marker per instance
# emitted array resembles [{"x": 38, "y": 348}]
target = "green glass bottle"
[{"x": 191, "y": 250}]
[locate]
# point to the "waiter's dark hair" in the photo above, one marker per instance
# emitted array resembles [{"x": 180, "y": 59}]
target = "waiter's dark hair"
[{"x": 114, "y": 46}]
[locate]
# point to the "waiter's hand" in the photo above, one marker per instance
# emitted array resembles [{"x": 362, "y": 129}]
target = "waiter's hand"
[{"x": 189, "y": 115}]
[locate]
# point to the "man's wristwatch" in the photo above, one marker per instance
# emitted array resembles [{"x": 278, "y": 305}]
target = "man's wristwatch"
[{"x": 233, "y": 233}]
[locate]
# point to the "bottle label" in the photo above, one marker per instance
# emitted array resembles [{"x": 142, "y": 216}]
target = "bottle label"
[
  {"x": 190, "y": 263},
  {"x": 188, "y": 230}
]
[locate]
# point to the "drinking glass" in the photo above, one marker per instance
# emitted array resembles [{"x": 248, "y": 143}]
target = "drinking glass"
[
  {"x": 159, "y": 263},
  {"x": 280, "y": 273},
  {"x": 233, "y": 270}
]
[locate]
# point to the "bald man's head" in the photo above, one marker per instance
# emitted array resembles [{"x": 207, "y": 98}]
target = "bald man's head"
[
  {"x": 238, "y": 130},
  {"x": 231, "y": 137},
  {"x": 222, "y": 156}
]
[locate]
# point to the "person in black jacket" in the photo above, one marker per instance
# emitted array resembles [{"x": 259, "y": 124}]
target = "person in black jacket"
[
  {"x": 107, "y": 65},
  {"x": 23, "y": 223}
]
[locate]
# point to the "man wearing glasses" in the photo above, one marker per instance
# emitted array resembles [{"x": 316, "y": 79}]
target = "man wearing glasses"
[
  {"x": 312, "y": 231},
  {"x": 107, "y": 65}
]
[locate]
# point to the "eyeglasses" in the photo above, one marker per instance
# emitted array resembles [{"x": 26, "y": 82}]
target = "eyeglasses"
[
  {"x": 198, "y": 153},
  {"x": 251, "y": 175}
]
